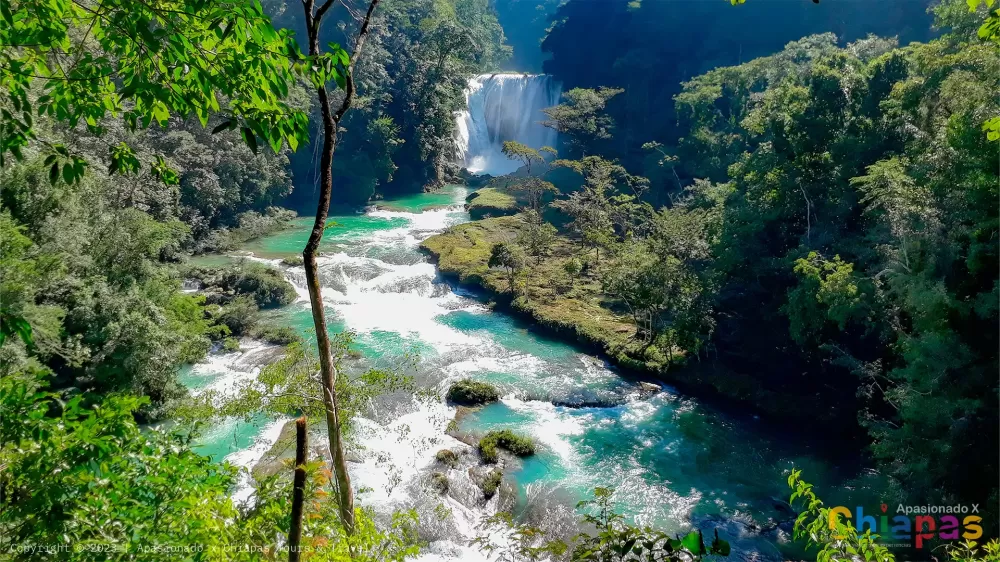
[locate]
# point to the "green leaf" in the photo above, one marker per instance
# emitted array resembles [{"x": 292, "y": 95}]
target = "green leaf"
[
  {"x": 692, "y": 543},
  {"x": 54, "y": 173},
  {"x": 250, "y": 139},
  {"x": 11, "y": 324},
  {"x": 223, "y": 126}
]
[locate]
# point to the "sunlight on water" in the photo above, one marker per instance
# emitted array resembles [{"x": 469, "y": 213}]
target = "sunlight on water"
[{"x": 673, "y": 463}]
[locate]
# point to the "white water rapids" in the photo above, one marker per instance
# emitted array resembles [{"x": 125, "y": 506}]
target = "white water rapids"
[
  {"x": 390, "y": 301},
  {"x": 673, "y": 465}
]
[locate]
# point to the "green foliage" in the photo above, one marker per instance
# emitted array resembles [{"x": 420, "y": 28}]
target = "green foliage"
[
  {"x": 292, "y": 261},
  {"x": 399, "y": 134},
  {"x": 83, "y": 475},
  {"x": 850, "y": 238},
  {"x": 491, "y": 483},
  {"x": 504, "y": 439},
  {"x": 615, "y": 540},
  {"x": 88, "y": 484},
  {"x": 240, "y": 315},
  {"x": 510, "y": 257},
  {"x": 971, "y": 551},
  {"x": 490, "y": 201},
  {"x": 572, "y": 267},
  {"x": 468, "y": 392},
  {"x": 522, "y": 152},
  {"x": 516, "y": 542},
  {"x": 145, "y": 63},
  {"x": 662, "y": 291},
  {"x": 265, "y": 286},
  {"x": 102, "y": 310},
  {"x": 581, "y": 117},
  {"x": 607, "y": 206},
  {"x": 828, "y": 292},
  {"x": 446, "y": 457},
  {"x": 837, "y": 541},
  {"x": 572, "y": 305},
  {"x": 278, "y": 335},
  {"x": 288, "y": 386},
  {"x": 537, "y": 236},
  {"x": 534, "y": 189}
]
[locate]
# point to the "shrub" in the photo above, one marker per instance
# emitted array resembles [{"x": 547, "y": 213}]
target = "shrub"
[
  {"x": 292, "y": 261},
  {"x": 573, "y": 267},
  {"x": 505, "y": 439},
  {"x": 230, "y": 344},
  {"x": 468, "y": 392},
  {"x": 447, "y": 457},
  {"x": 240, "y": 315},
  {"x": 492, "y": 483},
  {"x": 439, "y": 482},
  {"x": 278, "y": 335},
  {"x": 266, "y": 285}
]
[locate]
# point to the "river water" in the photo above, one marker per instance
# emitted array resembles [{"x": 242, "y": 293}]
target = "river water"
[{"x": 674, "y": 463}]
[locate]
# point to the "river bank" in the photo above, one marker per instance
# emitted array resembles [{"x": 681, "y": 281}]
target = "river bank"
[
  {"x": 571, "y": 306},
  {"x": 674, "y": 462}
]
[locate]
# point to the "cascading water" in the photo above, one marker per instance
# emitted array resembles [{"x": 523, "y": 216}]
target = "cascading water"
[
  {"x": 674, "y": 464},
  {"x": 503, "y": 107}
]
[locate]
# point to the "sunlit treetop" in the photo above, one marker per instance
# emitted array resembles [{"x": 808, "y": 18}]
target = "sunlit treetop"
[{"x": 143, "y": 61}]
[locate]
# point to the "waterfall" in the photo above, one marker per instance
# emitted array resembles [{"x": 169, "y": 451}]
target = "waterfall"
[{"x": 503, "y": 107}]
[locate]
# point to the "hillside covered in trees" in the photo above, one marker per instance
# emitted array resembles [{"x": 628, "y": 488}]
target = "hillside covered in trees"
[
  {"x": 792, "y": 209},
  {"x": 833, "y": 261}
]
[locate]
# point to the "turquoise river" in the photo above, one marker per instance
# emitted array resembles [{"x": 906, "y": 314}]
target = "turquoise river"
[{"x": 674, "y": 463}]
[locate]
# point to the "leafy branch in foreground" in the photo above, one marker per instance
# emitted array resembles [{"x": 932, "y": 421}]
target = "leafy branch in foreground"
[
  {"x": 143, "y": 62},
  {"x": 840, "y": 542},
  {"x": 837, "y": 541},
  {"x": 290, "y": 386}
]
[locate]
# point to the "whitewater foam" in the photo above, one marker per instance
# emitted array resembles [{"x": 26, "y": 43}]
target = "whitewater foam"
[{"x": 503, "y": 107}]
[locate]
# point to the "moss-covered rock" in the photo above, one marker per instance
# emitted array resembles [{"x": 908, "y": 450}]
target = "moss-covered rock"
[
  {"x": 292, "y": 261},
  {"x": 492, "y": 202},
  {"x": 267, "y": 286},
  {"x": 468, "y": 392},
  {"x": 491, "y": 483},
  {"x": 278, "y": 335},
  {"x": 447, "y": 457},
  {"x": 506, "y": 439},
  {"x": 439, "y": 481}
]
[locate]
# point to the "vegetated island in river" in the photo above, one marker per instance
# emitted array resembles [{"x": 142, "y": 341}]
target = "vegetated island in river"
[{"x": 561, "y": 294}]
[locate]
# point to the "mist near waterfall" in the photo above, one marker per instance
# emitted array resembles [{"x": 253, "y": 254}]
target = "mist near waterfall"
[{"x": 503, "y": 107}]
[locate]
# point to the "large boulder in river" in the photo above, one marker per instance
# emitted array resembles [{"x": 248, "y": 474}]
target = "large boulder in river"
[{"x": 468, "y": 392}]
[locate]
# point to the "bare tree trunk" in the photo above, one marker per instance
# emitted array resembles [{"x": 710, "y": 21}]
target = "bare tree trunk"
[
  {"x": 298, "y": 491},
  {"x": 328, "y": 370},
  {"x": 808, "y": 214}
]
